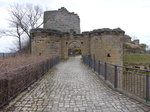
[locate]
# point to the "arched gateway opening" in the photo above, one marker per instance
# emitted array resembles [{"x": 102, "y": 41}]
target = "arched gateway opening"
[
  {"x": 61, "y": 37},
  {"x": 72, "y": 45},
  {"x": 74, "y": 49}
]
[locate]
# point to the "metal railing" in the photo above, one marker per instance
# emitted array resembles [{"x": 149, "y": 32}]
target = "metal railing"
[
  {"x": 5, "y": 55},
  {"x": 131, "y": 81},
  {"x": 14, "y": 82}
]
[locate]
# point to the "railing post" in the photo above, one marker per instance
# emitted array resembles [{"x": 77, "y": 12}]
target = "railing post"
[
  {"x": 86, "y": 60},
  {"x": 116, "y": 78},
  {"x": 89, "y": 61},
  {"x": 105, "y": 74},
  {"x": 58, "y": 59},
  {"x": 94, "y": 65},
  {"x": 147, "y": 86},
  {"x": 99, "y": 67},
  {"x": 52, "y": 62}
]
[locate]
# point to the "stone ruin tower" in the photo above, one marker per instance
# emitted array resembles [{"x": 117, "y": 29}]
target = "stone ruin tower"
[
  {"x": 62, "y": 20},
  {"x": 58, "y": 34}
]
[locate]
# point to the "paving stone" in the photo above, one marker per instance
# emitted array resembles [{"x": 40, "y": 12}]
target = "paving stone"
[{"x": 72, "y": 87}]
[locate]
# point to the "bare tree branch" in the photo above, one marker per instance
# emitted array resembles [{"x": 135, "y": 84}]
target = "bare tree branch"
[{"x": 23, "y": 18}]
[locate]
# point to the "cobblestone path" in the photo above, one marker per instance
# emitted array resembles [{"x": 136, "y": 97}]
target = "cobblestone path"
[{"x": 71, "y": 87}]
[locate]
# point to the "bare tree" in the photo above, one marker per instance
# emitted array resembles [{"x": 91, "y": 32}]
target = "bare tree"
[
  {"x": 22, "y": 19},
  {"x": 27, "y": 17},
  {"x": 14, "y": 32}
]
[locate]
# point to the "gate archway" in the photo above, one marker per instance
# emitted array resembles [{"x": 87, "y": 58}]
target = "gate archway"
[
  {"x": 71, "y": 45},
  {"x": 74, "y": 48}
]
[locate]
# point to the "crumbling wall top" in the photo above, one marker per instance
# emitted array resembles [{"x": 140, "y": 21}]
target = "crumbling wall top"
[
  {"x": 63, "y": 9},
  {"x": 104, "y": 31},
  {"x": 62, "y": 20},
  {"x": 41, "y": 30}
]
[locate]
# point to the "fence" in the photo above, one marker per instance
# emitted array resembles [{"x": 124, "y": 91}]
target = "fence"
[
  {"x": 15, "y": 81},
  {"x": 131, "y": 81},
  {"x": 3, "y": 55}
]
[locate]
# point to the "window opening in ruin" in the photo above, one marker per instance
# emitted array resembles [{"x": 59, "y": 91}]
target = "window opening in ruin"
[{"x": 108, "y": 55}]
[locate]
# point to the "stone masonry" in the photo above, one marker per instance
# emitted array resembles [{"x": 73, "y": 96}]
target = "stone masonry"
[
  {"x": 102, "y": 44},
  {"x": 134, "y": 46},
  {"x": 62, "y": 20},
  {"x": 54, "y": 39}
]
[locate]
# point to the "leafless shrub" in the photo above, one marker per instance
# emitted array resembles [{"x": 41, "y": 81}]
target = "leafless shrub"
[
  {"x": 19, "y": 72},
  {"x": 7, "y": 64}
]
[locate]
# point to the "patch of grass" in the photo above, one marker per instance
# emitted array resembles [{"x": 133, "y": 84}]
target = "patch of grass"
[{"x": 136, "y": 58}]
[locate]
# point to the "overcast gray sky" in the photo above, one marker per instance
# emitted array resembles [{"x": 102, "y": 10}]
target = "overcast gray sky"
[{"x": 133, "y": 16}]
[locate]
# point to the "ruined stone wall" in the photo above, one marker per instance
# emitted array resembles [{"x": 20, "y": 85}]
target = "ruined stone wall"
[
  {"x": 46, "y": 42},
  {"x": 86, "y": 44},
  {"x": 69, "y": 38},
  {"x": 107, "y": 46},
  {"x": 134, "y": 46},
  {"x": 55, "y": 43},
  {"x": 104, "y": 44},
  {"x": 62, "y": 20}
]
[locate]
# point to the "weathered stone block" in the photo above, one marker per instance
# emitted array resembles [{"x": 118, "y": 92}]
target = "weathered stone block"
[{"x": 62, "y": 20}]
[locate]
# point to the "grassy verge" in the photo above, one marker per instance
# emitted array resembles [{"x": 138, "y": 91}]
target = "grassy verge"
[{"x": 136, "y": 58}]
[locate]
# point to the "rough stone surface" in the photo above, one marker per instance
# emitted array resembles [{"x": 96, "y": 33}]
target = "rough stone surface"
[
  {"x": 97, "y": 43},
  {"x": 62, "y": 20},
  {"x": 71, "y": 87},
  {"x": 134, "y": 46},
  {"x": 62, "y": 28}
]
